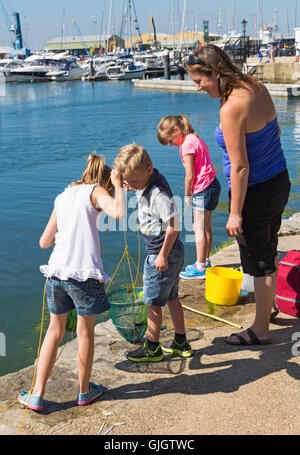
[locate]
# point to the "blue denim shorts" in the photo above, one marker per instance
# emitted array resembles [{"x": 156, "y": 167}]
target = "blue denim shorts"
[
  {"x": 87, "y": 297},
  {"x": 207, "y": 200},
  {"x": 159, "y": 287}
]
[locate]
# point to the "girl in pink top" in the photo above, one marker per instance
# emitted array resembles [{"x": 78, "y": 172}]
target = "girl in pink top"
[{"x": 202, "y": 188}]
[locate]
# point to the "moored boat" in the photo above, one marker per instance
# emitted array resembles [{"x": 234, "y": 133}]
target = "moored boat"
[
  {"x": 127, "y": 71},
  {"x": 35, "y": 70},
  {"x": 69, "y": 70}
]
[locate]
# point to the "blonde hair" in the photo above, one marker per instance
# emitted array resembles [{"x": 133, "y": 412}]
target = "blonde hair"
[
  {"x": 96, "y": 171},
  {"x": 131, "y": 159},
  {"x": 165, "y": 130},
  {"x": 213, "y": 58}
]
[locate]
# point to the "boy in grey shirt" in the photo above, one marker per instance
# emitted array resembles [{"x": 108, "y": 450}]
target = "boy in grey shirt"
[{"x": 157, "y": 218}]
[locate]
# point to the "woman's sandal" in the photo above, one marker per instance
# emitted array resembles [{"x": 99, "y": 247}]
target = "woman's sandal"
[{"x": 243, "y": 342}]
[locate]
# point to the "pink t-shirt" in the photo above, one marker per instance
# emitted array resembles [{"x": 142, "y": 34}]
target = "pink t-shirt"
[{"x": 203, "y": 167}]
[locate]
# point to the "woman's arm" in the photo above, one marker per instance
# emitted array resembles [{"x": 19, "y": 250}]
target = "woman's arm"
[
  {"x": 233, "y": 126},
  {"x": 48, "y": 237},
  {"x": 101, "y": 199}
]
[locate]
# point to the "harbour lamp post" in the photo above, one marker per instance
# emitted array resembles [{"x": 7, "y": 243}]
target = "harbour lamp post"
[{"x": 244, "y": 25}]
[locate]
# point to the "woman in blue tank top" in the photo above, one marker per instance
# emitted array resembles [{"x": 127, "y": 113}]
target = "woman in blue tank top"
[{"x": 256, "y": 171}]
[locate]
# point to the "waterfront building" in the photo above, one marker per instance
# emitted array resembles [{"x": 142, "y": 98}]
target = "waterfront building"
[
  {"x": 184, "y": 39},
  {"x": 79, "y": 44},
  {"x": 94, "y": 43}
]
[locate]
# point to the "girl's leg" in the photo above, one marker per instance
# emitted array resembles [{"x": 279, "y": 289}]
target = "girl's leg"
[
  {"x": 85, "y": 353},
  {"x": 48, "y": 353},
  {"x": 203, "y": 234},
  {"x": 154, "y": 322},
  {"x": 209, "y": 233}
]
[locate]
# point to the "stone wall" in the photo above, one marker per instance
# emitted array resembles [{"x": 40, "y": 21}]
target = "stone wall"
[{"x": 280, "y": 72}]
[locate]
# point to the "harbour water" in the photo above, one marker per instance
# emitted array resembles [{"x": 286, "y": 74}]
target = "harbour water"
[{"x": 46, "y": 132}]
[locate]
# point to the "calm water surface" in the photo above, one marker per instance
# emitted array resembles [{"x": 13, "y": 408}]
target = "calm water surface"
[{"x": 46, "y": 132}]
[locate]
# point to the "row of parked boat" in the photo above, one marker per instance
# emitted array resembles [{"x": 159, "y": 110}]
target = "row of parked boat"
[{"x": 62, "y": 67}]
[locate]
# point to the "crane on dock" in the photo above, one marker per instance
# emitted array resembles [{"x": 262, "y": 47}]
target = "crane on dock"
[
  {"x": 154, "y": 41},
  {"x": 81, "y": 37},
  {"x": 13, "y": 28}
]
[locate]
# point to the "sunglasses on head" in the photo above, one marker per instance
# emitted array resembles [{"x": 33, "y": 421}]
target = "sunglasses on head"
[{"x": 192, "y": 60}]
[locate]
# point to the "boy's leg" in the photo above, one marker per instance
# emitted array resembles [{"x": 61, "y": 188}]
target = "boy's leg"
[
  {"x": 179, "y": 345},
  {"x": 154, "y": 322},
  {"x": 177, "y": 315},
  {"x": 48, "y": 354},
  {"x": 85, "y": 353},
  {"x": 150, "y": 350}
]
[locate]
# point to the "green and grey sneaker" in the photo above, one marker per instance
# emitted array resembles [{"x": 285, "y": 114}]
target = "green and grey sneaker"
[
  {"x": 184, "y": 349},
  {"x": 143, "y": 354}
]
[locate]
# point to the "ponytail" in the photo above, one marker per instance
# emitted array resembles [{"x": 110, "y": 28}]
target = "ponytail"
[{"x": 96, "y": 171}]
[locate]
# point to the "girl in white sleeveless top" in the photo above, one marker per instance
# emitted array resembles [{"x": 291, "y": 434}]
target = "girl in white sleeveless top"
[{"x": 75, "y": 273}]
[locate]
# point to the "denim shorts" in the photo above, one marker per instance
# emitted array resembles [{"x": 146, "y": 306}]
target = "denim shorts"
[
  {"x": 207, "y": 200},
  {"x": 87, "y": 297},
  {"x": 159, "y": 287}
]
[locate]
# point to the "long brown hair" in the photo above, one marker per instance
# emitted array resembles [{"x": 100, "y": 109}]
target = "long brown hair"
[
  {"x": 213, "y": 58},
  {"x": 96, "y": 171},
  {"x": 165, "y": 130}
]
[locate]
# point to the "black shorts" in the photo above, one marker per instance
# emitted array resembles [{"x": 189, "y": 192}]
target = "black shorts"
[{"x": 262, "y": 214}]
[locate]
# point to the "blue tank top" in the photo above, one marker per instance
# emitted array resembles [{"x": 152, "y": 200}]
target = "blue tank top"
[{"x": 265, "y": 155}]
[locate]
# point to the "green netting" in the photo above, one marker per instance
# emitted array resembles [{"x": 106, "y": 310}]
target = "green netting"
[
  {"x": 71, "y": 321},
  {"x": 129, "y": 313}
]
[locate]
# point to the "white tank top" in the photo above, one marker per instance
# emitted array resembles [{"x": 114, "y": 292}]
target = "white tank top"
[{"x": 76, "y": 253}]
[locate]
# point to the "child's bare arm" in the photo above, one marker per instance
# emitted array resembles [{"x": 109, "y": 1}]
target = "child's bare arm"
[
  {"x": 161, "y": 262},
  {"x": 48, "y": 237},
  {"x": 114, "y": 207},
  {"x": 189, "y": 174}
]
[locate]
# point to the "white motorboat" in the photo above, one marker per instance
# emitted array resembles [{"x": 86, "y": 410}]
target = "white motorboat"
[
  {"x": 126, "y": 71},
  {"x": 6, "y": 66},
  {"x": 68, "y": 70},
  {"x": 35, "y": 70}
]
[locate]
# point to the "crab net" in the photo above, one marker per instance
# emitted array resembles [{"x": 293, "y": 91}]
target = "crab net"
[{"x": 129, "y": 313}]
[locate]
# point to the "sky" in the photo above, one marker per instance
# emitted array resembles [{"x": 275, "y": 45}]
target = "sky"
[{"x": 41, "y": 20}]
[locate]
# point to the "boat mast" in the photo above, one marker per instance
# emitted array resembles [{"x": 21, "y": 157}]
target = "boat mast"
[
  {"x": 196, "y": 20},
  {"x": 233, "y": 31},
  {"x": 173, "y": 24},
  {"x": 109, "y": 21},
  {"x": 63, "y": 30},
  {"x": 219, "y": 21},
  {"x": 182, "y": 23}
]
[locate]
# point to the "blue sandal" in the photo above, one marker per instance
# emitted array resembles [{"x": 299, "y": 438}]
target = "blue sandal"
[{"x": 36, "y": 403}]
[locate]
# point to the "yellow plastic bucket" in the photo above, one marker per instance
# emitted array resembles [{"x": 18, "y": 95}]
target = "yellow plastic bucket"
[{"x": 223, "y": 285}]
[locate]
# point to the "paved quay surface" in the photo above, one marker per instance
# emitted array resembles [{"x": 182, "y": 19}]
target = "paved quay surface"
[
  {"x": 222, "y": 389},
  {"x": 282, "y": 90}
]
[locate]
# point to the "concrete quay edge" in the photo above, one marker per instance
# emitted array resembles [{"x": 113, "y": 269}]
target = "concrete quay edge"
[{"x": 220, "y": 390}]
